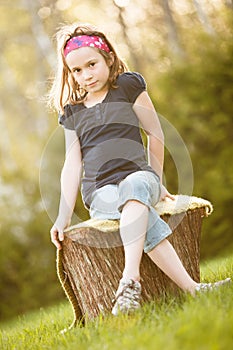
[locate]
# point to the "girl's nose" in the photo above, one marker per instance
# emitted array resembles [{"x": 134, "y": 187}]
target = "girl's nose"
[{"x": 87, "y": 75}]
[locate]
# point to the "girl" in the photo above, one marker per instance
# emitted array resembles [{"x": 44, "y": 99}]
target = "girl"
[{"x": 101, "y": 105}]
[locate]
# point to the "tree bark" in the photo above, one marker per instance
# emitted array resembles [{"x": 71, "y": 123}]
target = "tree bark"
[
  {"x": 203, "y": 17},
  {"x": 136, "y": 60},
  {"x": 92, "y": 261},
  {"x": 173, "y": 38}
]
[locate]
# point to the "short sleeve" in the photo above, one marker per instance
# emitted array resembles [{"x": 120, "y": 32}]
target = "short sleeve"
[
  {"x": 133, "y": 85},
  {"x": 66, "y": 119}
]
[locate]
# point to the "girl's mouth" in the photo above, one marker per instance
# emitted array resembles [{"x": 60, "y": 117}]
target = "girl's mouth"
[{"x": 92, "y": 84}]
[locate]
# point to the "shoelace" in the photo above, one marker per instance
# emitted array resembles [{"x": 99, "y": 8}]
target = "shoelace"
[
  {"x": 211, "y": 286},
  {"x": 129, "y": 291}
]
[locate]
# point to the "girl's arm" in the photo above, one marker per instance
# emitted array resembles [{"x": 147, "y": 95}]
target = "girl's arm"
[
  {"x": 70, "y": 179},
  {"x": 144, "y": 109}
]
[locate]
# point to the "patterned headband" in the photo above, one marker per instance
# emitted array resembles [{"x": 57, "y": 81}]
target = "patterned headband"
[{"x": 83, "y": 41}]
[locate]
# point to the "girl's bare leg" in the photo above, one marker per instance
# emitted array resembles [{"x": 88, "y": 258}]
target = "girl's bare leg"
[
  {"x": 133, "y": 233},
  {"x": 133, "y": 225},
  {"x": 166, "y": 258}
]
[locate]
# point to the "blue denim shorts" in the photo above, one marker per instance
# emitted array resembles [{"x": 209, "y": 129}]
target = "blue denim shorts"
[{"x": 143, "y": 186}]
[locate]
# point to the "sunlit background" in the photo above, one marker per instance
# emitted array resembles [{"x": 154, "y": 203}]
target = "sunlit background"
[{"x": 184, "y": 50}]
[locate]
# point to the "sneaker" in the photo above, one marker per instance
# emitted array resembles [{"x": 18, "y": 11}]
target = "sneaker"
[
  {"x": 205, "y": 287},
  {"x": 127, "y": 297}
]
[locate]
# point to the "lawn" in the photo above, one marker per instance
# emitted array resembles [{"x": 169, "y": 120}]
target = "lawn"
[{"x": 204, "y": 322}]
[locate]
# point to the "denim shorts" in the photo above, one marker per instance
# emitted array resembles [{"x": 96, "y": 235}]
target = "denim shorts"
[{"x": 143, "y": 186}]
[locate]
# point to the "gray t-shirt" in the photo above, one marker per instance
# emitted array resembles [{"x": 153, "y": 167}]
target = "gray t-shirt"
[{"x": 109, "y": 135}]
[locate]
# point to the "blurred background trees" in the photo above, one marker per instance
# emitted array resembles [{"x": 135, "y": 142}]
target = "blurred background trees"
[{"x": 185, "y": 51}]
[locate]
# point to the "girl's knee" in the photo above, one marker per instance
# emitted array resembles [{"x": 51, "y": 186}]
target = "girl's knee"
[
  {"x": 134, "y": 184},
  {"x": 134, "y": 203},
  {"x": 141, "y": 186}
]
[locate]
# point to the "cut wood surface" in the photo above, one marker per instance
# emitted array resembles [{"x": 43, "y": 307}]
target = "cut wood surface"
[{"x": 91, "y": 262}]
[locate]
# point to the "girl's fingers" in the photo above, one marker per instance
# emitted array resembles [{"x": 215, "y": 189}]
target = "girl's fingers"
[
  {"x": 166, "y": 194},
  {"x": 56, "y": 237},
  {"x": 169, "y": 195},
  {"x": 61, "y": 236}
]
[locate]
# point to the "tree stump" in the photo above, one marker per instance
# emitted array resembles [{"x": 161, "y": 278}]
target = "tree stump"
[{"x": 91, "y": 262}]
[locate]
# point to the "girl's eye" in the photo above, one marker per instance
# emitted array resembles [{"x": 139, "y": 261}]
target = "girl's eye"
[
  {"x": 77, "y": 70},
  {"x": 92, "y": 64}
]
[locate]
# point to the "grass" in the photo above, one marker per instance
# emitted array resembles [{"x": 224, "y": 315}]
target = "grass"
[{"x": 205, "y": 322}]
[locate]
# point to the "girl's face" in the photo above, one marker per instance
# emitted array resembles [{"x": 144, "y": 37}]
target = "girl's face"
[{"x": 89, "y": 69}]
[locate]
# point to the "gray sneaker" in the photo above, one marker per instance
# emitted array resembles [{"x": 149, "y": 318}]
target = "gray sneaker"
[
  {"x": 205, "y": 287},
  {"x": 127, "y": 297}
]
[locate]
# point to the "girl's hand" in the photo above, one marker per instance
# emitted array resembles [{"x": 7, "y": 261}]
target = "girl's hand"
[
  {"x": 165, "y": 194},
  {"x": 57, "y": 233}
]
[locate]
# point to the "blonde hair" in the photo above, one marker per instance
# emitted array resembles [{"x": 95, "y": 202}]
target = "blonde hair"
[{"x": 64, "y": 88}]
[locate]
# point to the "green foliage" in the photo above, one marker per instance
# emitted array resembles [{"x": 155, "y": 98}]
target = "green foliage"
[
  {"x": 27, "y": 261},
  {"x": 204, "y": 322},
  {"x": 196, "y": 96}
]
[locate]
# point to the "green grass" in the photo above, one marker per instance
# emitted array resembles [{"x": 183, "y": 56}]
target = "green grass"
[{"x": 205, "y": 322}]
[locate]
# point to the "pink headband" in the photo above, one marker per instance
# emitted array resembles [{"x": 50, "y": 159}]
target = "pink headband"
[{"x": 83, "y": 41}]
